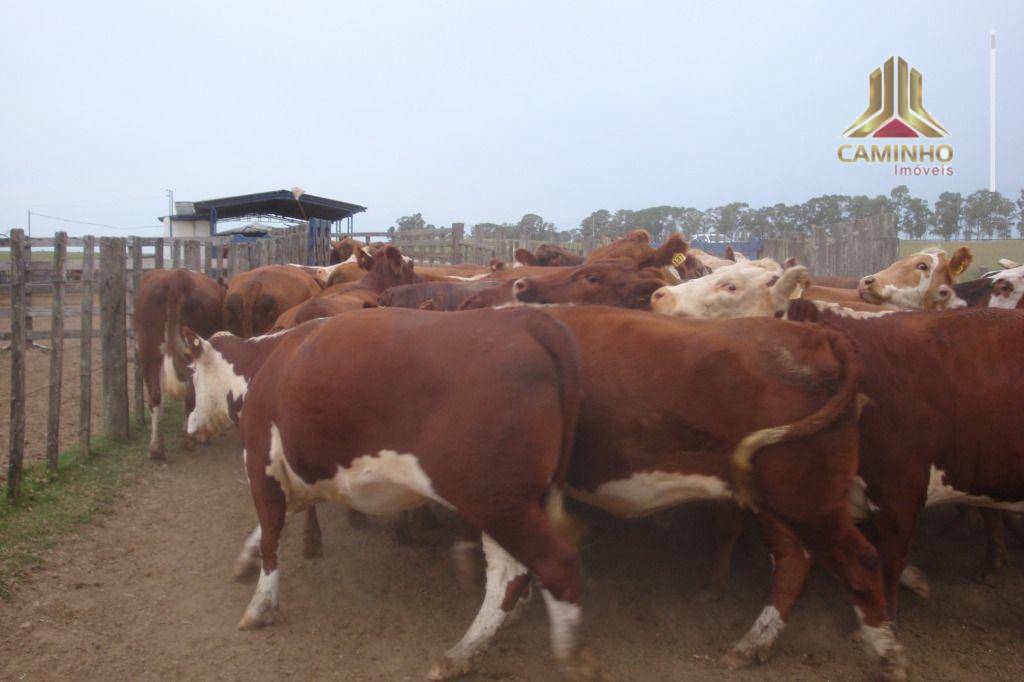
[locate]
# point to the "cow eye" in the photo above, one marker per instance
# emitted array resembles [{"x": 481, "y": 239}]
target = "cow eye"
[
  {"x": 922, "y": 266},
  {"x": 592, "y": 279}
]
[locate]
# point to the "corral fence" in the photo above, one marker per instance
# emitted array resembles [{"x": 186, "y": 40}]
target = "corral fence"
[
  {"x": 848, "y": 249},
  {"x": 112, "y": 278},
  {"x": 450, "y": 245}
]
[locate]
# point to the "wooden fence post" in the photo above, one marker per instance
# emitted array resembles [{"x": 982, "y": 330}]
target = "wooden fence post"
[
  {"x": 207, "y": 248},
  {"x": 219, "y": 248},
  {"x": 113, "y": 332},
  {"x": 60, "y": 251},
  {"x": 175, "y": 254},
  {"x": 139, "y": 398},
  {"x": 85, "y": 373},
  {"x": 232, "y": 260},
  {"x": 458, "y": 233},
  {"x": 158, "y": 254},
  {"x": 16, "y": 452}
]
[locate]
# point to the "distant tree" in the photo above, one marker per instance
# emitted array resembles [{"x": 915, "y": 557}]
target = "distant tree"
[
  {"x": 411, "y": 222},
  {"x": 988, "y": 214},
  {"x": 899, "y": 205},
  {"x": 597, "y": 224},
  {"x": 731, "y": 218},
  {"x": 917, "y": 218},
  {"x": 1020, "y": 214},
  {"x": 949, "y": 210}
]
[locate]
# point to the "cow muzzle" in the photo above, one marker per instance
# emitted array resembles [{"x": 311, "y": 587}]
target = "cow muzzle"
[{"x": 870, "y": 291}]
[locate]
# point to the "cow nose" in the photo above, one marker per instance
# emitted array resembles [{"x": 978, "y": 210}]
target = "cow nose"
[
  {"x": 520, "y": 285},
  {"x": 868, "y": 281}
]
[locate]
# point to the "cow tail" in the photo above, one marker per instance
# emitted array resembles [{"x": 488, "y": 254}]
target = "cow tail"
[
  {"x": 852, "y": 370},
  {"x": 249, "y": 297},
  {"x": 560, "y": 344},
  {"x": 173, "y": 370}
]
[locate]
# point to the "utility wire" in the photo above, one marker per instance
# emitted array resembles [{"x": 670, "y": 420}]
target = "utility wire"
[{"x": 85, "y": 222}]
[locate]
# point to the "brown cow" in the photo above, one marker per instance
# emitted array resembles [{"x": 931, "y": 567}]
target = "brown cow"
[
  {"x": 321, "y": 306},
  {"x": 443, "y": 295},
  {"x": 939, "y": 427},
  {"x": 342, "y": 250},
  {"x": 398, "y": 450},
  {"x": 782, "y": 388},
  {"x": 388, "y": 268},
  {"x": 610, "y": 282},
  {"x": 551, "y": 255},
  {"x": 165, "y": 300},
  {"x": 255, "y": 299}
]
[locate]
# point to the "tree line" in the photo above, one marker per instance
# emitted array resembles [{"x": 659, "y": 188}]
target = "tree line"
[{"x": 979, "y": 215}]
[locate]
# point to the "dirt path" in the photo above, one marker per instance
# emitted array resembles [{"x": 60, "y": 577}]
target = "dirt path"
[{"x": 145, "y": 593}]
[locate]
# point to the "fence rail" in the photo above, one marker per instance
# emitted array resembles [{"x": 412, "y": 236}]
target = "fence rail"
[{"x": 114, "y": 281}]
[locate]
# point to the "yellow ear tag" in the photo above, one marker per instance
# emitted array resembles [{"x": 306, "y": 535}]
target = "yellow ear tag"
[{"x": 678, "y": 259}]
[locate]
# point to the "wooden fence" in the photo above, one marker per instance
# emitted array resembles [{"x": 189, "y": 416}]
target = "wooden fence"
[
  {"x": 122, "y": 262},
  {"x": 851, "y": 249},
  {"x": 450, "y": 245}
]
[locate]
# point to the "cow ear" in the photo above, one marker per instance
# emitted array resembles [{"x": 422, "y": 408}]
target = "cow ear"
[
  {"x": 525, "y": 257},
  {"x": 789, "y": 285},
  {"x": 364, "y": 259},
  {"x": 192, "y": 346},
  {"x": 1006, "y": 263},
  {"x": 790, "y": 263},
  {"x": 667, "y": 252},
  {"x": 962, "y": 258},
  {"x": 730, "y": 254}
]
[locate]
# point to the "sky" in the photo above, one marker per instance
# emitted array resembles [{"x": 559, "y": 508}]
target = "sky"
[{"x": 478, "y": 111}]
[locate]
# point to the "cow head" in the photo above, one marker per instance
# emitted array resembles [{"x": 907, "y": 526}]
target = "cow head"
[
  {"x": 551, "y": 255},
  {"x": 745, "y": 289},
  {"x": 1007, "y": 288},
  {"x": 525, "y": 257},
  {"x": 386, "y": 268},
  {"x": 219, "y": 389},
  {"x": 343, "y": 250},
  {"x": 615, "y": 282},
  {"x": 922, "y": 281}
]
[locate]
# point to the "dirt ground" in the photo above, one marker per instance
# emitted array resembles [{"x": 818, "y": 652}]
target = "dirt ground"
[
  {"x": 37, "y": 382},
  {"x": 146, "y": 593}
]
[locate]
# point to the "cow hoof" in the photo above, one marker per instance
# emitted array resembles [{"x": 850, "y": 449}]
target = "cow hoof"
[
  {"x": 256, "y": 618},
  {"x": 357, "y": 519},
  {"x": 448, "y": 668},
  {"x": 894, "y": 666},
  {"x": 743, "y": 654},
  {"x": 582, "y": 666},
  {"x": 247, "y": 569},
  {"x": 156, "y": 454},
  {"x": 188, "y": 442},
  {"x": 202, "y": 438},
  {"x": 915, "y": 580}
]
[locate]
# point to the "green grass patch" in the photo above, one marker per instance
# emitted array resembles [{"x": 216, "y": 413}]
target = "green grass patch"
[
  {"x": 49, "y": 507},
  {"x": 986, "y": 253}
]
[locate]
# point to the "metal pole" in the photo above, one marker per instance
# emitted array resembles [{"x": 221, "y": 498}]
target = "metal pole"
[
  {"x": 992, "y": 111},
  {"x": 170, "y": 212},
  {"x": 29, "y": 225}
]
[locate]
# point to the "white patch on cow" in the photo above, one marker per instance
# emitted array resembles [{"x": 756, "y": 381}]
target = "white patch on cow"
[
  {"x": 915, "y": 580},
  {"x": 469, "y": 279},
  {"x": 861, "y": 507},
  {"x": 671, "y": 274},
  {"x": 758, "y": 641},
  {"x": 913, "y": 298},
  {"x": 939, "y": 492},
  {"x": 647, "y": 492},
  {"x": 502, "y": 569},
  {"x": 565, "y": 623},
  {"x": 384, "y": 483},
  {"x": 263, "y": 605},
  {"x": 249, "y": 558},
  {"x": 155, "y": 414},
  {"x": 879, "y": 640},
  {"x": 517, "y": 264},
  {"x": 172, "y": 386},
  {"x": 737, "y": 290},
  {"x": 1015, "y": 276},
  {"x": 842, "y": 311},
  {"x": 215, "y": 379}
]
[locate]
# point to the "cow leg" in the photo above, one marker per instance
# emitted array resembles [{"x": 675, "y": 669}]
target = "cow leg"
[
  {"x": 312, "y": 541},
  {"x": 503, "y": 572},
  {"x": 188, "y": 441},
  {"x": 842, "y": 549},
  {"x": 270, "y": 506},
  {"x": 152, "y": 377},
  {"x": 728, "y": 529},
  {"x": 247, "y": 565},
  {"x": 465, "y": 551},
  {"x": 790, "y": 565},
  {"x": 995, "y": 551},
  {"x": 895, "y": 525}
]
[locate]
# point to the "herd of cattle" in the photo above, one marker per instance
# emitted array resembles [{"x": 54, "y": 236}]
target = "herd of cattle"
[{"x": 814, "y": 403}]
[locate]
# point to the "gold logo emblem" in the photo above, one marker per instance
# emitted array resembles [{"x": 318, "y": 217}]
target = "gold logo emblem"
[{"x": 894, "y": 105}]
